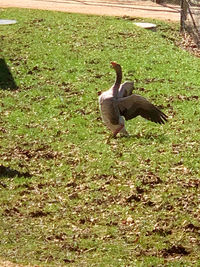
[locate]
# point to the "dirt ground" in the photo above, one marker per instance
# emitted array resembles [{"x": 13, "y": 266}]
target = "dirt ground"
[
  {"x": 146, "y": 9},
  {"x": 10, "y": 264}
]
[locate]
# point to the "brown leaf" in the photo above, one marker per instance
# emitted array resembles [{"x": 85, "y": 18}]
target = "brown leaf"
[
  {"x": 133, "y": 197},
  {"x": 38, "y": 213},
  {"x": 73, "y": 195}
]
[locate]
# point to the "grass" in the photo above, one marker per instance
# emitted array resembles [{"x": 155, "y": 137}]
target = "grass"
[{"x": 67, "y": 197}]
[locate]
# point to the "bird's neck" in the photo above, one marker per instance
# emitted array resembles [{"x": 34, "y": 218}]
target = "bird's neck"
[{"x": 117, "y": 83}]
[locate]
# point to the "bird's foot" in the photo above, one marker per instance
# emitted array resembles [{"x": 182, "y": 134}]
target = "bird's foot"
[
  {"x": 118, "y": 130},
  {"x": 124, "y": 134},
  {"x": 112, "y": 136}
]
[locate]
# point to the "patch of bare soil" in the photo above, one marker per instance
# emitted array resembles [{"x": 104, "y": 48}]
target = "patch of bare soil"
[
  {"x": 146, "y": 9},
  {"x": 10, "y": 264},
  {"x": 188, "y": 44}
]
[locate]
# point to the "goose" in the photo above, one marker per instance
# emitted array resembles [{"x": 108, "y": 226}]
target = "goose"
[{"x": 119, "y": 104}]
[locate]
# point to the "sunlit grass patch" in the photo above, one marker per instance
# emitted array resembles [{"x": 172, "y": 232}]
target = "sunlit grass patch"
[{"x": 68, "y": 197}]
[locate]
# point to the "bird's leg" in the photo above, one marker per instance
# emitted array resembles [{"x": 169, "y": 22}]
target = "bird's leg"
[
  {"x": 118, "y": 130},
  {"x": 115, "y": 133}
]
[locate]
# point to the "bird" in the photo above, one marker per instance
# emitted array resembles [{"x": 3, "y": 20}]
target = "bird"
[{"x": 119, "y": 104}]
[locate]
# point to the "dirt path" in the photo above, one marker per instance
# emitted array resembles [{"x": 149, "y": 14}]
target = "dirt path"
[
  {"x": 10, "y": 264},
  {"x": 146, "y": 9}
]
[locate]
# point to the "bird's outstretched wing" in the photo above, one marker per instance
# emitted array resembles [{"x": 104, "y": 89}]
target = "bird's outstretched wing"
[
  {"x": 135, "y": 105},
  {"x": 125, "y": 89}
]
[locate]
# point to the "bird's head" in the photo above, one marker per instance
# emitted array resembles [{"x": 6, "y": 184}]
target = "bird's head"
[{"x": 115, "y": 66}]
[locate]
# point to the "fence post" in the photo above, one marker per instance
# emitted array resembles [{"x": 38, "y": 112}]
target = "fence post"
[{"x": 183, "y": 15}]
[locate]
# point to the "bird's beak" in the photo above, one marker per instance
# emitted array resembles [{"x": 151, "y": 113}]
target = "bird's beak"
[
  {"x": 99, "y": 93},
  {"x": 113, "y": 64}
]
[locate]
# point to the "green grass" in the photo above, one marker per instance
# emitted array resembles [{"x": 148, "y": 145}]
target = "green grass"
[{"x": 67, "y": 197}]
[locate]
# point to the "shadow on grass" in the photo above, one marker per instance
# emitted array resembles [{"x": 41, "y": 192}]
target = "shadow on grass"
[
  {"x": 148, "y": 136},
  {"x": 10, "y": 173},
  {"x": 7, "y": 81}
]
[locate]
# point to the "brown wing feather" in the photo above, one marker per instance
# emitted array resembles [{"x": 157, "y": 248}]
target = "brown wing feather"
[{"x": 135, "y": 105}]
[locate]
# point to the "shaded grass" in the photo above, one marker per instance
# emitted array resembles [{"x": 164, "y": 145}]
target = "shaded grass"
[{"x": 83, "y": 202}]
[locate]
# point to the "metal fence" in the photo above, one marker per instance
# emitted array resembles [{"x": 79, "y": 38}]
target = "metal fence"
[
  {"x": 190, "y": 18},
  {"x": 173, "y": 2}
]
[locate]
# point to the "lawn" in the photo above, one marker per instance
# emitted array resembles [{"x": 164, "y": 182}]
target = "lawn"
[{"x": 66, "y": 196}]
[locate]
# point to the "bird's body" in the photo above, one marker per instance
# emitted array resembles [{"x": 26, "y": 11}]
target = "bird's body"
[
  {"x": 118, "y": 103},
  {"x": 108, "y": 106}
]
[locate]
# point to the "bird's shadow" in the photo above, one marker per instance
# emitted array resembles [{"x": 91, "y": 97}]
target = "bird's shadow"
[
  {"x": 11, "y": 173},
  {"x": 148, "y": 137},
  {"x": 161, "y": 138}
]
